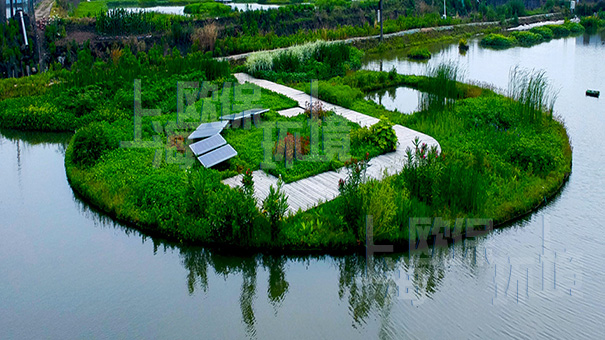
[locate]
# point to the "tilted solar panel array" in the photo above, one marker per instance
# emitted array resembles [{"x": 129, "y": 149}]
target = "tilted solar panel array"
[
  {"x": 217, "y": 156},
  {"x": 208, "y": 129},
  {"x": 213, "y": 148},
  {"x": 207, "y": 145}
]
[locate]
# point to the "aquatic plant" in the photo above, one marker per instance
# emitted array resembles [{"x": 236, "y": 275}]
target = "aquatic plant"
[
  {"x": 419, "y": 53},
  {"x": 440, "y": 91},
  {"x": 535, "y": 98}
]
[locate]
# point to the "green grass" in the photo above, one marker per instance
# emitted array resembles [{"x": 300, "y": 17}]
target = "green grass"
[{"x": 89, "y": 9}]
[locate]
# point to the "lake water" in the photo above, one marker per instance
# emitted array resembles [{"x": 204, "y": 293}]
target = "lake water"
[
  {"x": 180, "y": 10},
  {"x": 67, "y": 271}
]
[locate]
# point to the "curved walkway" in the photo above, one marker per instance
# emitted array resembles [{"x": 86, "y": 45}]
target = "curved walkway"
[{"x": 311, "y": 191}]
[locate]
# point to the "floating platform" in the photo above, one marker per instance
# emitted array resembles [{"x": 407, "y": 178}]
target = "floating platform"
[{"x": 593, "y": 93}]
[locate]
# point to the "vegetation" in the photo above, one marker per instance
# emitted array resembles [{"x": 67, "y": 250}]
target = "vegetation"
[
  {"x": 497, "y": 159},
  {"x": 532, "y": 37},
  {"x": 421, "y": 53},
  {"x": 498, "y": 41},
  {"x": 315, "y": 60},
  {"x": 208, "y": 8}
]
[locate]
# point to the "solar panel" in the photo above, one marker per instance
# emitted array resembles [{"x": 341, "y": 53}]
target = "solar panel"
[
  {"x": 217, "y": 156},
  {"x": 207, "y": 144},
  {"x": 208, "y": 129},
  {"x": 244, "y": 114}
]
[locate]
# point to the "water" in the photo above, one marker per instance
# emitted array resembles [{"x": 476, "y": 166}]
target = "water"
[
  {"x": 68, "y": 271},
  {"x": 402, "y": 99},
  {"x": 251, "y": 6},
  {"x": 174, "y": 10},
  {"x": 180, "y": 10}
]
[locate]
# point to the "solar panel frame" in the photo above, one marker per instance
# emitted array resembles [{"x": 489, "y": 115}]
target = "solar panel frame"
[
  {"x": 208, "y": 129},
  {"x": 207, "y": 145},
  {"x": 217, "y": 156}
]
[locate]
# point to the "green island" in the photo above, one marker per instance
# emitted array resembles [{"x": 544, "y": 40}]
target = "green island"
[{"x": 500, "y": 155}]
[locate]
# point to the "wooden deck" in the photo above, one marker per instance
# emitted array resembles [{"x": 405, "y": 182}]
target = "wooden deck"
[{"x": 309, "y": 192}]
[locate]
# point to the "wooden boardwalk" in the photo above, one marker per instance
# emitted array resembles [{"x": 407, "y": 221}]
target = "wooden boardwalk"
[{"x": 309, "y": 192}]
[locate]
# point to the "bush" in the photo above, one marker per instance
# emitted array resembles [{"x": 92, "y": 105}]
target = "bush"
[
  {"x": 590, "y": 23},
  {"x": 498, "y": 41},
  {"x": 351, "y": 203},
  {"x": 463, "y": 44},
  {"x": 419, "y": 53},
  {"x": 525, "y": 38},
  {"x": 383, "y": 136},
  {"x": 545, "y": 32},
  {"x": 91, "y": 142},
  {"x": 275, "y": 207},
  {"x": 559, "y": 31},
  {"x": 575, "y": 27},
  {"x": 209, "y": 9}
]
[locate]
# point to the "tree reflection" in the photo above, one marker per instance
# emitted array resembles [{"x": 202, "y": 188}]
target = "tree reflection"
[{"x": 278, "y": 286}]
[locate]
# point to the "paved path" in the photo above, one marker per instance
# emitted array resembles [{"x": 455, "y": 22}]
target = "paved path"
[
  {"x": 401, "y": 33},
  {"x": 43, "y": 9},
  {"x": 309, "y": 192}
]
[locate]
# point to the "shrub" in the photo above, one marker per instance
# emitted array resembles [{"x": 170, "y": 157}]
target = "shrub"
[
  {"x": 575, "y": 27},
  {"x": 208, "y": 8},
  {"x": 204, "y": 38},
  {"x": 421, "y": 170},
  {"x": 419, "y": 53},
  {"x": 383, "y": 136},
  {"x": 351, "y": 204},
  {"x": 559, "y": 31},
  {"x": 463, "y": 44},
  {"x": 275, "y": 207},
  {"x": 525, "y": 38},
  {"x": 590, "y": 23},
  {"x": 498, "y": 41},
  {"x": 91, "y": 142},
  {"x": 379, "y": 203},
  {"x": 545, "y": 32}
]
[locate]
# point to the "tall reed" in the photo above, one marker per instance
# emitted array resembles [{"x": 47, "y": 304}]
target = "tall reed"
[
  {"x": 440, "y": 92},
  {"x": 534, "y": 95}
]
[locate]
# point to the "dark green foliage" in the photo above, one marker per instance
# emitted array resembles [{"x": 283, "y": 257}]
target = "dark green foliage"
[
  {"x": 14, "y": 55},
  {"x": 91, "y": 142},
  {"x": 119, "y": 21}
]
